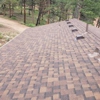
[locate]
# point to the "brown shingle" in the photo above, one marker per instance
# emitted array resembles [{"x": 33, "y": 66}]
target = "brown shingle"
[{"x": 47, "y": 63}]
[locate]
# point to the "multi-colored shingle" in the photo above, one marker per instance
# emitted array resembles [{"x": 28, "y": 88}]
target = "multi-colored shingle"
[{"x": 48, "y": 63}]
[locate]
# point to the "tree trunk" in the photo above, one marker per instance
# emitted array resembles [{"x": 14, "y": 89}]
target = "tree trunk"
[
  {"x": 38, "y": 19},
  {"x": 87, "y": 26},
  {"x": 21, "y": 10},
  {"x": 40, "y": 12},
  {"x": 59, "y": 18},
  {"x": 29, "y": 12},
  {"x": 42, "y": 16},
  {"x": 67, "y": 15},
  {"x": 34, "y": 8},
  {"x": 53, "y": 20},
  {"x": 24, "y": 11},
  {"x": 10, "y": 10},
  {"x": 33, "y": 16},
  {"x": 48, "y": 21},
  {"x": 79, "y": 16},
  {"x": 33, "y": 11},
  {"x": 4, "y": 9}
]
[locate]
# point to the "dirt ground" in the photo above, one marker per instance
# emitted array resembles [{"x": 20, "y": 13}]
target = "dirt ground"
[
  {"x": 13, "y": 24},
  {"x": 6, "y": 34},
  {"x": 9, "y": 29}
]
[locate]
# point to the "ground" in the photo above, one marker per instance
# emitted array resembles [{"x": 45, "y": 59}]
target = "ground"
[
  {"x": 6, "y": 34},
  {"x": 9, "y": 29},
  {"x": 13, "y": 24}
]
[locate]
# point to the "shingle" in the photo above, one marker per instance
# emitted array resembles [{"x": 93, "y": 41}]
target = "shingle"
[{"x": 47, "y": 63}]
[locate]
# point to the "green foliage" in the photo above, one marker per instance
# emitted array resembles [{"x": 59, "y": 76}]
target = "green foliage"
[
  {"x": 90, "y": 9},
  {"x": 30, "y": 25},
  {"x": 1, "y": 25},
  {"x": 55, "y": 10},
  {"x": 13, "y": 17},
  {"x": 87, "y": 9},
  {"x": 43, "y": 22},
  {"x": 7, "y": 38},
  {"x": 1, "y": 36}
]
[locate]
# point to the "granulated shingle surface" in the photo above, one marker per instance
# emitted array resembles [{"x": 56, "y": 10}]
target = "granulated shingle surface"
[{"x": 47, "y": 63}]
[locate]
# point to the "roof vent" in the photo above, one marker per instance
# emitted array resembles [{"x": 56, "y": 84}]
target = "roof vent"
[
  {"x": 78, "y": 37},
  {"x": 81, "y": 36},
  {"x": 71, "y": 25},
  {"x": 74, "y": 29},
  {"x": 68, "y": 22}
]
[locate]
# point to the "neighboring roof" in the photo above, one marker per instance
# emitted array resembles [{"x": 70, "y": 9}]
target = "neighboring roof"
[{"x": 47, "y": 63}]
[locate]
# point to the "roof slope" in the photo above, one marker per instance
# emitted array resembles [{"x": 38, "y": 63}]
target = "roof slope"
[{"x": 47, "y": 63}]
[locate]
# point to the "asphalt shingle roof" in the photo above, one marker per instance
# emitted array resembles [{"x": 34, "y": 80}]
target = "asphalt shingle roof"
[{"x": 47, "y": 63}]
